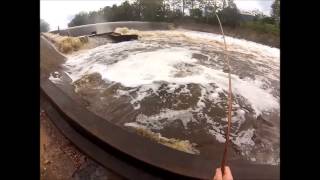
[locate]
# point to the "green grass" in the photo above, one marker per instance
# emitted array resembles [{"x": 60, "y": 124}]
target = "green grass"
[{"x": 262, "y": 27}]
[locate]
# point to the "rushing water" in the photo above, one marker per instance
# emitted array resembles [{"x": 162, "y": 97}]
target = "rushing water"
[{"x": 174, "y": 83}]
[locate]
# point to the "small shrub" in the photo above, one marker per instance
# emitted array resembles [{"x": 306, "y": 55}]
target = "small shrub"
[{"x": 263, "y": 27}]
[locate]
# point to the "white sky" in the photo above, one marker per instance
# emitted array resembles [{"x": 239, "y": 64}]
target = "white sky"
[
  {"x": 60, "y": 12},
  {"x": 261, "y": 5}
]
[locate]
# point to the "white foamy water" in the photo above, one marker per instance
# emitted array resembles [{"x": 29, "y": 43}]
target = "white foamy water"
[{"x": 165, "y": 65}]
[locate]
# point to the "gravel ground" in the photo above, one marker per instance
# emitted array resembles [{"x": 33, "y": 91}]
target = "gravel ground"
[{"x": 60, "y": 160}]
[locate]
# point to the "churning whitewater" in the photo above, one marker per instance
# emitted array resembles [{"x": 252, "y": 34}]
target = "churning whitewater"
[{"x": 175, "y": 83}]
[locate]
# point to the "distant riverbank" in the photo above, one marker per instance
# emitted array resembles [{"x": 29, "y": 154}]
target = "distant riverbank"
[{"x": 238, "y": 32}]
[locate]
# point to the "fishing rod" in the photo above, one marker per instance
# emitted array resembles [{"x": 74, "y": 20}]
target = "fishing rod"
[{"x": 224, "y": 157}]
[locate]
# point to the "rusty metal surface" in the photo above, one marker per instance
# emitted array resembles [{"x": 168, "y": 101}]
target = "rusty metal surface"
[
  {"x": 116, "y": 37},
  {"x": 136, "y": 157}
]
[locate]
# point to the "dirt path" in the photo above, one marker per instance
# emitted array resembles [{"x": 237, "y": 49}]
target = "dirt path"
[{"x": 60, "y": 160}]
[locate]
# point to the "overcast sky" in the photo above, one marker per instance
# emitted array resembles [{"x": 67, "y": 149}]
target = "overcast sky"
[{"x": 60, "y": 12}]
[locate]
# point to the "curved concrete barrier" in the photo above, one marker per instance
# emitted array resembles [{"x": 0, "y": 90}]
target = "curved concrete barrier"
[
  {"x": 101, "y": 28},
  {"x": 50, "y": 57}
]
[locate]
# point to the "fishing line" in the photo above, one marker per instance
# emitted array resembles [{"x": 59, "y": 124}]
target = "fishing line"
[{"x": 224, "y": 157}]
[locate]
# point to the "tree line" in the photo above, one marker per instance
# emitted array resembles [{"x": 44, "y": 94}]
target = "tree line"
[
  {"x": 169, "y": 11},
  {"x": 175, "y": 10},
  {"x": 162, "y": 10}
]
